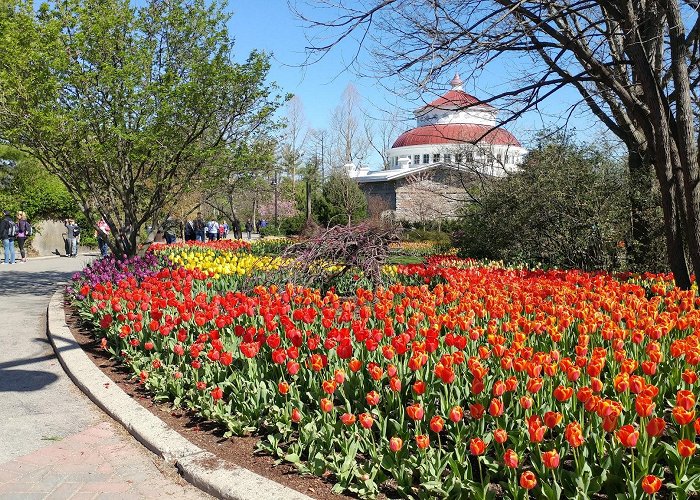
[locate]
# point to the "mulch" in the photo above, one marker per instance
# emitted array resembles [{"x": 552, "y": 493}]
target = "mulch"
[{"x": 207, "y": 435}]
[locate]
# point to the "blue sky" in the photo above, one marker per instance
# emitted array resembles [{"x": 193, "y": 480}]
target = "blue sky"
[{"x": 270, "y": 26}]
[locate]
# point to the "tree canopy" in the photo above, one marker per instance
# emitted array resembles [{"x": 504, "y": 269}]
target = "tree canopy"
[
  {"x": 130, "y": 106},
  {"x": 635, "y": 65},
  {"x": 541, "y": 215}
]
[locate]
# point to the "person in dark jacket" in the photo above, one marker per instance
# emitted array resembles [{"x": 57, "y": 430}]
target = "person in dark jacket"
[
  {"x": 7, "y": 233},
  {"x": 199, "y": 227},
  {"x": 248, "y": 228}
]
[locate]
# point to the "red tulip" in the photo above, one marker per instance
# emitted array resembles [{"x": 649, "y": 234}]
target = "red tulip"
[
  {"x": 217, "y": 393},
  {"x": 456, "y": 414},
  {"x": 395, "y": 444},
  {"x": 326, "y": 405},
  {"x": 628, "y": 436},
  {"x": 296, "y": 415},
  {"x": 510, "y": 458},
  {"x": 366, "y": 420},
  {"x": 655, "y": 427}
]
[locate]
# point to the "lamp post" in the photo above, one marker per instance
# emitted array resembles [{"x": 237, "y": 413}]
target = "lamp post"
[{"x": 274, "y": 187}]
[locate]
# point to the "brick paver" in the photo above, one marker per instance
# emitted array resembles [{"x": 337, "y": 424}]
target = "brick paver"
[
  {"x": 54, "y": 442},
  {"x": 99, "y": 462}
]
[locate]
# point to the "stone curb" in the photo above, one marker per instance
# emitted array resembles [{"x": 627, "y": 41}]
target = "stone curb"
[{"x": 201, "y": 468}]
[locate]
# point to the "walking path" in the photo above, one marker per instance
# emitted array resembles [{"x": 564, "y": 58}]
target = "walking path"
[{"x": 54, "y": 442}]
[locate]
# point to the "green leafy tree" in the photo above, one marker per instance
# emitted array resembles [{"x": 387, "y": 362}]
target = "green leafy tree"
[
  {"x": 566, "y": 207},
  {"x": 342, "y": 201},
  {"x": 26, "y": 185},
  {"x": 130, "y": 106}
]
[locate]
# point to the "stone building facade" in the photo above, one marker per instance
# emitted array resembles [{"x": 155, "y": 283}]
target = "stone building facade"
[{"x": 455, "y": 141}]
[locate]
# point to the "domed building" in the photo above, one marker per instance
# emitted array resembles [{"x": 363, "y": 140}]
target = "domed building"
[{"x": 455, "y": 140}]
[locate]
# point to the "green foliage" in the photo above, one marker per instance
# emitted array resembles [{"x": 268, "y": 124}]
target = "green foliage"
[
  {"x": 566, "y": 207},
  {"x": 292, "y": 225},
  {"x": 341, "y": 201},
  {"x": 130, "y": 106},
  {"x": 25, "y": 185}
]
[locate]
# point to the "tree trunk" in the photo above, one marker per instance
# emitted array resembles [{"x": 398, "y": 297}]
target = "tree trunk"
[{"x": 641, "y": 203}]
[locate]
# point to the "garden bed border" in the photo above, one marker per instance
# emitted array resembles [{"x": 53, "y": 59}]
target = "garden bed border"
[{"x": 199, "y": 467}]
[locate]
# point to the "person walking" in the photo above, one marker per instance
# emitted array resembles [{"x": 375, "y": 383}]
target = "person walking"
[
  {"x": 8, "y": 232},
  {"x": 24, "y": 231},
  {"x": 199, "y": 227},
  {"x": 102, "y": 235},
  {"x": 72, "y": 234},
  {"x": 189, "y": 231},
  {"x": 171, "y": 228},
  {"x": 236, "y": 229},
  {"x": 212, "y": 230},
  {"x": 249, "y": 228}
]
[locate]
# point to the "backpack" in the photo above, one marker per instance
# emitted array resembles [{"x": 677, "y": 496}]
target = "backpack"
[
  {"x": 12, "y": 229},
  {"x": 76, "y": 231},
  {"x": 30, "y": 229}
]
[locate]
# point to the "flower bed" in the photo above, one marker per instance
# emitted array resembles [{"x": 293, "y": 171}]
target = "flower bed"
[{"x": 457, "y": 380}]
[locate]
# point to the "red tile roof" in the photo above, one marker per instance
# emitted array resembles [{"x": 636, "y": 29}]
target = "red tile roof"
[
  {"x": 456, "y": 99},
  {"x": 456, "y": 133}
]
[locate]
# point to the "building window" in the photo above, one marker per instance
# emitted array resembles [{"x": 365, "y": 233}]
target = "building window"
[
  {"x": 458, "y": 157},
  {"x": 436, "y": 157},
  {"x": 470, "y": 156},
  {"x": 416, "y": 159},
  {"x": 426, "y": 158},
  {"x": 448, "y": 158}
]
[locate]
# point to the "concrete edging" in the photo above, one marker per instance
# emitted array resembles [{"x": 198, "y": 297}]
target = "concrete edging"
[{"x": 199, "y": 467}]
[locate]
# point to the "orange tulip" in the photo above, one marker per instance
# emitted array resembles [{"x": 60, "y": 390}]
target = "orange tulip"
[
  {"x": 682, "y": 416},
  {"x": 456, "y": 414},
  {"x": 574, "y": 435},
  {"x": 500, "y": 436},
  {"x": 366, "y": 420},
  {"x": 415, "y": 411},
  {"x": 528, "y": 480},
  {"x": 644, "y": 406},
  {"x": 496, "y": 408},
  {"x": 552, "y": 419},
  {"x": 422, "y": 441},
  {"x": 437, "y": 423},
  {"x": 651, "y": 484},
  {"x": 477, "y": 446},
  {"x": 347, "y": 418},
  {"x": 551, "y": 459},
  {"x": 685, "y": 399},
  {"x": 686, "y": 448}
]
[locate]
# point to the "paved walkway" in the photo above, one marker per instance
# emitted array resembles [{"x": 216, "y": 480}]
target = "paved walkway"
[{"x": 54, "y": 442}]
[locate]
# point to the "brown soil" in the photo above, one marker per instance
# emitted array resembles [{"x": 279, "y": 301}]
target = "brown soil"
[{"x": 207, "y": 435}]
